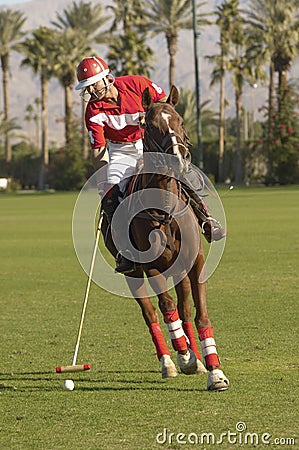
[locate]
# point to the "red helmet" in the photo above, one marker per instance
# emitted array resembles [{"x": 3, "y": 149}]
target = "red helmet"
[{"x": 90, "y": 70}]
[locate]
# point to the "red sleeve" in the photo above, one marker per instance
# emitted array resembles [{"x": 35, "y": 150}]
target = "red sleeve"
[
  {"x": 156, "y": 91},
  {"x": 95, "y": 130}
]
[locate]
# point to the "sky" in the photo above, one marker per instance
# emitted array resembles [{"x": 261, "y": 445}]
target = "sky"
[{"x": 11, "y": 2}]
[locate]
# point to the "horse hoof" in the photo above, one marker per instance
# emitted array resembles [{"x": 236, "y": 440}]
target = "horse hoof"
[
  {"x": 217, "y": 381},
  {"x": 200, "y": 368},
  {"x": 168, "y": 367},
  {"x": 188, "y": 362}
]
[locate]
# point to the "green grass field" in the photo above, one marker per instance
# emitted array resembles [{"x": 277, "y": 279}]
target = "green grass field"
[{"x": 122, "y": 403}]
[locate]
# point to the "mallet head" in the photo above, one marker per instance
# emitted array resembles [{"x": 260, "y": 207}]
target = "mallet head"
[{"x": 74, "y": 368}]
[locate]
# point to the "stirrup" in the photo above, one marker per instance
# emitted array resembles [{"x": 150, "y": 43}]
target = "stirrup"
[
  {"x": 215, "y": 233},
  {"x": 123, "y": 264}
]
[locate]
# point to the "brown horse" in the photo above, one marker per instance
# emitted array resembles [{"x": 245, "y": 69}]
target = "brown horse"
[{"x": 166, "y": 244}]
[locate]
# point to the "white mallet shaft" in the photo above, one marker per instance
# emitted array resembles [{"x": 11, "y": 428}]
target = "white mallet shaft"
[
  {"x": 93, "y": 258},
  {"x": 81, "y": 367}
]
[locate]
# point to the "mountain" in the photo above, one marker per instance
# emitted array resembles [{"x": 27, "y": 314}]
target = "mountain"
[{"x": 24, "y": 86}]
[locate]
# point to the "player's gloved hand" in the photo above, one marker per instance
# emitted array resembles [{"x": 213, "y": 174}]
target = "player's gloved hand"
[{"x": 110, "y": 199}]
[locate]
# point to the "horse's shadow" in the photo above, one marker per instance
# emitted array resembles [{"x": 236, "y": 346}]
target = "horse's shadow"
[{"x": 107, "y": 380}]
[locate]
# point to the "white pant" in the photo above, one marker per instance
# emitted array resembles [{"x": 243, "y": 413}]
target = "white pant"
[{"x": 123, "y": 160}]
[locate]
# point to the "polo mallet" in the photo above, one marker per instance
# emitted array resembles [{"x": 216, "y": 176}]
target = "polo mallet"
[{"x": 81, "y": 367}]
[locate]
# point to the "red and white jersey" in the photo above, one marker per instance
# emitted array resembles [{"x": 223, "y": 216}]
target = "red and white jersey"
[{"x": 120, "y": 123}]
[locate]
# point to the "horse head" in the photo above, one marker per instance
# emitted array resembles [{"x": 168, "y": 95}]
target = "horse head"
[{"x": 164, "y": 130}]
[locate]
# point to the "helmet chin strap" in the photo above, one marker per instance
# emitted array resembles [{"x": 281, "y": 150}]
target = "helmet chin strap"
[{"x": 99, "y": 94}]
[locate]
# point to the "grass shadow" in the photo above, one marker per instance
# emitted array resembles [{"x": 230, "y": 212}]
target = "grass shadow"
[{"x": 107, "y": 380}]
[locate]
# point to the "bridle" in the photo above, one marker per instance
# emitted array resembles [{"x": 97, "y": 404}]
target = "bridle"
[
  {"x": 183, "y": 142},
  {"x": 166, "y": 217}
]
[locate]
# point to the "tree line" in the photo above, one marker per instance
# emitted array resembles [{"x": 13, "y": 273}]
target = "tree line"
[{"x": 257, "y": 45}]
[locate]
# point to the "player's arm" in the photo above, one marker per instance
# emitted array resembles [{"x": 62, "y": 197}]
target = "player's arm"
[
  {"x": 99, "y": 157},
  {"x": 100, "y": 161}
]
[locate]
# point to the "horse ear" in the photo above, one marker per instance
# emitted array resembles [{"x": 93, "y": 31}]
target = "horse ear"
[
  {"x": 147, "y": 100},
  {"x": 173, "y": 97}
]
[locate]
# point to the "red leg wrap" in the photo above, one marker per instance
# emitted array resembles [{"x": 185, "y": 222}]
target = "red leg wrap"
[
  {"x": 158, "y": 340},
  {"x": 189, "y": 331},
  {"x": 176, "y": 332},
  {"x": 208, "y": 346}
]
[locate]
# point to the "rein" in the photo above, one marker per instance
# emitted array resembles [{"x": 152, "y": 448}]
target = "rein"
[
  {"x": 169, "y": 141},
  {"x": 160, "y": 148},
  {"x": 169, "y": 215}
]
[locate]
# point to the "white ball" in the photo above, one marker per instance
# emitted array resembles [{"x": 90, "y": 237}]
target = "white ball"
[{"x": 68, "y": 385}]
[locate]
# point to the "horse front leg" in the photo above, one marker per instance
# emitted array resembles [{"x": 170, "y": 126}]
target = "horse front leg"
[
  {"x": 135, "y": 281},
  {"x": 169, "y": 310},
  {"x": 186, "y": 358},
  {"x": 217, "y": 381},
  {"x": 183, "y": 289}
]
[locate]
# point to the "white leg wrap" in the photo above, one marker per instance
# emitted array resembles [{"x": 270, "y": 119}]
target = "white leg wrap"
[
  {"x": 176, "y": 330},
  {"x": 208, "y": 346}
]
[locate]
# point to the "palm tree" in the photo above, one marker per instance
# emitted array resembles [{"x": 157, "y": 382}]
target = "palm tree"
[
  {"x": 128, "y": 54},
  {"x": 187, "y": 109},
  {"x": 237, "y": 65},
  {"x": 128, "y": 50},
  {"x": 39, "y": 56},
  {"x": 10, "y": 125},
  {"x": 29, "y": 117},
  {"x": 127, "y": 13},
  {"x": 11, "y": 23},
  {"x": 69, "y": 48},
  {"x": 36, "y": 118},
  {"x": 226, "y": 15},
  {"x": 241, "y": 68},
  {"x": 87, "y": 21},
  {"x": 273, "y": 27},
  {"x": 277, "y": 25},
  {"x": 32, "y": 114},
  {"x": 169, "y": 17}
]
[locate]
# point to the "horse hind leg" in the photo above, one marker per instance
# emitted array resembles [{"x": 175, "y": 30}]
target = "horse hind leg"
[{"x": 189, "y": 331}]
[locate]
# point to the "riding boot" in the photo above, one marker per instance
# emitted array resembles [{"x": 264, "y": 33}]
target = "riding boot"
[
  {"x": 211, "y": 228},
  {"x": 110, "y": 203},
  {"x": 123, "y": 264}
]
